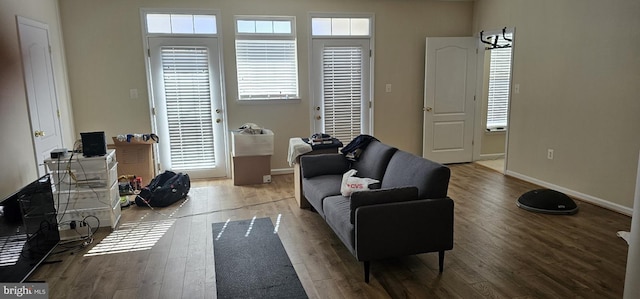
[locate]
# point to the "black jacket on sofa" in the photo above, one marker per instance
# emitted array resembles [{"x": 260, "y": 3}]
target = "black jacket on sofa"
[{"x": 409, "y": 214}]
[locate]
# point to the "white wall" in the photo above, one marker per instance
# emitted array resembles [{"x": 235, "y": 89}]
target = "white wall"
[
  {"x": 577, "y": 64},
  {"x": 18, "y": 159},
  {"x": 105, "y": 58}
]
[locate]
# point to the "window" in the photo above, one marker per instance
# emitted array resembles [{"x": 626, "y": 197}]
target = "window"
[
  {"x": 340, "y": 26},
  {"x": 499, "y": 85},
  {"x": 266, "y": 58},
  {"x": 181, "y": 23}
]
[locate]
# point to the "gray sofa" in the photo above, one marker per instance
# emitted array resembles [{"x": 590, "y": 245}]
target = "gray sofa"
[{"x": 408, "y": 214}]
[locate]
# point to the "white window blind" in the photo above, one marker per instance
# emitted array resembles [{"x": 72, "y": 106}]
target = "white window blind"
[
  {"x": 188, "y": 105},
  {"x": 342, "y": 84},
  {"x": 266, "y": 58},
  {"x": 499, "y": 84},
  {"x": 267, "y": 69}
]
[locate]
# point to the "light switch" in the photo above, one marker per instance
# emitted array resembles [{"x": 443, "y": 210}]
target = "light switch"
[
  {"x": 517, "y": 88},
  {"x": 133, "y": 93},
  {"x": 387, "y": 88}
]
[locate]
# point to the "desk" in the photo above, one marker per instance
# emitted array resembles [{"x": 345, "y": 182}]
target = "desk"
[{"x": 297, "y": 173}]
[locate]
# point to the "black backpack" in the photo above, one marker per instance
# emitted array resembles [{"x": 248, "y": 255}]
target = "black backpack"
[{"x": 165, "y": 189}]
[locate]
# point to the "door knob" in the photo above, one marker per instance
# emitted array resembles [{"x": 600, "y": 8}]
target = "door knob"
[
  {"x": 218, "y": 120},
  {"x": 38, "y": 133},
  {"x": 428, "y": 109},
  {"x": 318, "y": 108},
  {"x": 218, "y": 110},
  {"x": 318, "y": 117}
]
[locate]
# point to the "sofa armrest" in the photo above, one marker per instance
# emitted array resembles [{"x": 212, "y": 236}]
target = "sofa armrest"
[
  {"x": 403, "y": 228},
  {"x": 380, "y": 196},
  {"x": 325, "y": 164}
]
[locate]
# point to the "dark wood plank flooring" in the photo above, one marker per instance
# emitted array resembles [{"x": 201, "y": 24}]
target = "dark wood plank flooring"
[{"x": 500, "y": 250}]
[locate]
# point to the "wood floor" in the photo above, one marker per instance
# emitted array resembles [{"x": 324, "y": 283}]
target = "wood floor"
[{"x": 500, "y": 251}]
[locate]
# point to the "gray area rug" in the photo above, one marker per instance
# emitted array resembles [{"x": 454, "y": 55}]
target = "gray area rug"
[{"x": 252, "y": 263}]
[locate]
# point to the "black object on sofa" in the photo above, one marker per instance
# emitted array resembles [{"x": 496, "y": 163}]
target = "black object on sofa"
[{"x": 409, "y": 214}]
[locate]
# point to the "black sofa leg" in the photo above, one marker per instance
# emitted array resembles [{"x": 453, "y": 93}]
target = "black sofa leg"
[
  {"x": 366, "y": 271},
  {"x": 441, "y": 260}
]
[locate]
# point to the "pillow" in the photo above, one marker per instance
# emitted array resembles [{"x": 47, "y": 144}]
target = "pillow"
[{"x": 381, "y": 196}]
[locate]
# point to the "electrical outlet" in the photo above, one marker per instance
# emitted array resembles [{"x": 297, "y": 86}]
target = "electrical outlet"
[
  {"x": 387, "y": 87},
  {"x": 550, "y": 154},
  {"x": 266, "y": 178}
]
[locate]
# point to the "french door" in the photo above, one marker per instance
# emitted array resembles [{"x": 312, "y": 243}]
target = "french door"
[
  {"x": 188, "y": 110},
  {"x": 341, "y": 87}
]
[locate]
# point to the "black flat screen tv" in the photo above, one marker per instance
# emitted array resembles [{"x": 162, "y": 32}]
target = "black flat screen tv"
[{"x": 28, "y": 230}]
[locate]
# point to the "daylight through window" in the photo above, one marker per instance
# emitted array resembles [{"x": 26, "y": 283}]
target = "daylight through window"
[{"x": 266, "y": 58}]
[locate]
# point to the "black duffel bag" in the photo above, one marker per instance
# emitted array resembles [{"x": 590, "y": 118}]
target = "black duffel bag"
[{"x": 165, "y": 189}]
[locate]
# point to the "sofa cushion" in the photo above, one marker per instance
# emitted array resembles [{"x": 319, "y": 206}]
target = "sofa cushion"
[
  {"x": 336, "y": 210},
  {"x": 315, "y": 189},
  {"x": 374, "y": 197},
  {"x": 315, "y": 165},
  {"x": 373, "y": 160},
  {"x": 405, "y": 169}
]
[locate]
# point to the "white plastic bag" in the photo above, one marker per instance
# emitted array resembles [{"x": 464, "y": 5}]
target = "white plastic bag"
[
  {"x": 250, "y": 128},
  {"x": 351, "y": 184}
]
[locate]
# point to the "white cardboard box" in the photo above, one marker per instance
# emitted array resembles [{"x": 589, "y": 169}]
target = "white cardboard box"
[{"x": 252, "y": 144}]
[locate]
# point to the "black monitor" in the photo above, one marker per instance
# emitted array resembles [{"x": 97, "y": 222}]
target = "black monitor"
[
  {"x": 28, "y": 230},
  {"x": 93, "y": 144}
]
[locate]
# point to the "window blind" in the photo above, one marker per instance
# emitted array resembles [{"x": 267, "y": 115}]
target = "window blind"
[
  {"x": 188, "y": 106},
  {"x": 499, "y": 85},
  {"x": 266, "y": 69},
  {"x": 342, "y": 89}
]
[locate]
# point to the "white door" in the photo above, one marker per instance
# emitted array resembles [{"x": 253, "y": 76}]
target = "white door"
[
  {"x": 187, "y": 97},
  {"x": 341, "y": 87},
  {"x": 450, "y": 83},
  {"x": 40, "y": 86}
]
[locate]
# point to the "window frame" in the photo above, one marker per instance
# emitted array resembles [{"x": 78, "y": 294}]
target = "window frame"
[
  {"x": 369, "y": 17},
  {"x": 368, "y": 126},
  {"x": 292, "y": 36},
  {"x": 506, "y": 86},
  {"x": 224, "y": 169},
  {"x": 150, "y": 11}
]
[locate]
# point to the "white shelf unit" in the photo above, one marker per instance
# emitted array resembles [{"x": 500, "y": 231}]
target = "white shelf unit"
[{"x": 84, "y": 187}]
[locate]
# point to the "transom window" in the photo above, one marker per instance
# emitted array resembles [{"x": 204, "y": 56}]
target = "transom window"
[
  {"x": 169, "y": 23},
  {"x": 340, "y": 26},
  {"x": 266, "y": 58}
]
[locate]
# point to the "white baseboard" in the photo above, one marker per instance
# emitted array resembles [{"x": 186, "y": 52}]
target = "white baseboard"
[
  {"x": 490, "y": 156},
  {"x": 280, "y": 171},
  {"x": 581, "y": 196}
]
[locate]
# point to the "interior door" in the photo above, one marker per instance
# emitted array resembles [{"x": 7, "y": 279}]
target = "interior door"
[
  {"x": 341, "y": 87},
  {"x": 40, "y": 87},
  {"x": 187, "y": 97},
  {"x": 449, "y": 95}
]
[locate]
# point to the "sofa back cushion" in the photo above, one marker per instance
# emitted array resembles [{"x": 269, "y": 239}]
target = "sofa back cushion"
[
  {"x": 373, "y": 160},
  {"x": 405, "y": 169},
  {"x": 382, "y": 196}
]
